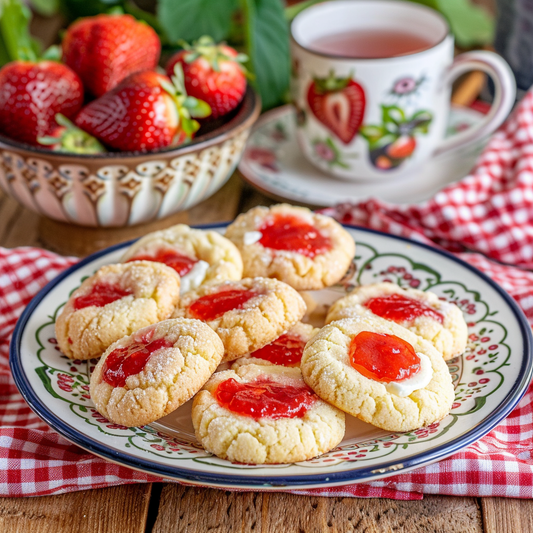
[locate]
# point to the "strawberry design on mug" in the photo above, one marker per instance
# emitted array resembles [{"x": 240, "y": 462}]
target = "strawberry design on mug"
[{"x": 339, "y": 103}]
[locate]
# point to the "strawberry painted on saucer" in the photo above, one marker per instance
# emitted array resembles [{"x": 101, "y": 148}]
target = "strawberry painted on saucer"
[{"x": 274, "y": 164}]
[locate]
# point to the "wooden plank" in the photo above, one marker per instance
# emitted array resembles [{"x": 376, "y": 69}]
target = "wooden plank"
[
  {"x": 252, "y": 198},
  {"x": 18, "y": 225},
  {"x": 507, "y": 515},
  {"x": 113, "y": 510},
  {"x": 194, "y": 510}
]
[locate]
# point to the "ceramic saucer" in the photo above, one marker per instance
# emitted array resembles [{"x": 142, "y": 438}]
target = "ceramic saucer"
[{"x": 274, "y": 164}]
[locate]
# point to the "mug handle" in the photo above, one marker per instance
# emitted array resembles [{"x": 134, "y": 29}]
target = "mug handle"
[{"x": 504, "y": 96}]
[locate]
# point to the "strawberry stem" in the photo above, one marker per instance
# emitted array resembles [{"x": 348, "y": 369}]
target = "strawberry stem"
[
  {"x": 187, "y": 106},
  {"x": 212, "y": 52}
]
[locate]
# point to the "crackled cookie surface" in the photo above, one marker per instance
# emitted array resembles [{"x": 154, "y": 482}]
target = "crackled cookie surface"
[
  {"x": 380, "y": 372},
  {"x": 293, "y": 244},
  {"x": 264, "y": 414},
  {"x": 441, "y": 323},
  {"x": 246, "y": 314},
  {"x": 115, "y": 302},
  {"x": 149, "y": 374},
  {"x": 198, "y": 256},
  {"x": 286, "y": 350}
]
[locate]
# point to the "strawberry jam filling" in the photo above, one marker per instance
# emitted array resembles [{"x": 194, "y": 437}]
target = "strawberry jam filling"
[
  {"x": 293, "y": 234},
  {"x": 214, "y": 305},
  {"x": 383, "y": 357},
  {"x": 399, "y": 308},
  {"x": 264, "y": 398},
  {"x": 100, "y": 295},
  {"x": 286, "y": 350},
  {"x": 130, "y": 360},
  {"x": 179, "y": 262}
]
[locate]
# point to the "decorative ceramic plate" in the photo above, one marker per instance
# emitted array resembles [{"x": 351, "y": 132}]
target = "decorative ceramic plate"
[
  {"x": 274, "y": 164},
  {"x": 490, "y": 378}
]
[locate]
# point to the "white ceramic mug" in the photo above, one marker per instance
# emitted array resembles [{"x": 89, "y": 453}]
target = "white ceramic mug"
[{"x": 379, "y": 118}]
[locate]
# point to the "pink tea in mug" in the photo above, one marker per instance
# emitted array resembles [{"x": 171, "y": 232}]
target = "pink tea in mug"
[{"x": 371, "y": 43}]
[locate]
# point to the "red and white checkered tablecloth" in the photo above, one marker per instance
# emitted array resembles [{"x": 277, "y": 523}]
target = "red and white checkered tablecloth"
[{"x": 490, "y": 211}]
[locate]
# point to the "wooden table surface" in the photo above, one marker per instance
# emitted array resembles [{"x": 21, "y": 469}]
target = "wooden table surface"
[{"x": 169, "y": 508}]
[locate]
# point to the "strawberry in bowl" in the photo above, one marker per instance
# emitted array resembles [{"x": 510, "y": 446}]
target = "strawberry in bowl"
[
  {"x": 146, "y": 111},
  {"x": 135, "y": 153},
  {"x": 32, "y": 93},
  {"x": 213, "y": 73},
  {"x": 105, "y": 49}
]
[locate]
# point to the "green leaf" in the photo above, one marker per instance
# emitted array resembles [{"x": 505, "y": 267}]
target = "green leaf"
[
  {"x": 267, "y": 42},
  {"x": 47, "y": 382},
  {"x": 52, "y": 53},
  {"x": 189, "y": 126},
  {"x": 15, "y": 39},
  {"x": 190, "y": 19},
  {"x": 392, "y": 113},
  {"x": 471, "y": 24},
  {"x": 197, "y": 108},
  {"x": 420, "y": 122},
  {"x": 372, "y": 133},
  {"x": 45, "y": 7}
]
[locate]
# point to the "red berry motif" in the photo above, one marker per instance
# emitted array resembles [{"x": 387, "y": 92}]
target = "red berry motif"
[
  {"x": 339, "y": 103},
  {"x": 402, "y": 147},
  {"x": 32, "y": 93},
  {"x": 146, "y": 111},
  {"x": 394, "y": 140},
  {"x": 213, "y": 73},
  {"x": 105, "y": 49}
]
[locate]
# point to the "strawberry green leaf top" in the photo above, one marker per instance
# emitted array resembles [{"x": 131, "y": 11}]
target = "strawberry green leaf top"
[
  {"x": 331, "y": 83},
  {"x": 71, "y": 139}
]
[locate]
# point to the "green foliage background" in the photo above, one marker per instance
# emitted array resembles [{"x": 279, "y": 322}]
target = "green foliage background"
[{"x": 260, "y": 28}]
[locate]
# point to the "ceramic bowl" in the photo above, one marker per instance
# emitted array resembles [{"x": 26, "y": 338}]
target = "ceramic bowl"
[{"x": 127, "y": 188}]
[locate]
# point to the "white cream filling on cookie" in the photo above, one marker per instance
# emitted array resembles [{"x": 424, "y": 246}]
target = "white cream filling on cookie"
[
  {"x": 420, "y": 380},
  {"x": 195, "y": 277},
  {"x": 251, "y": 237}
]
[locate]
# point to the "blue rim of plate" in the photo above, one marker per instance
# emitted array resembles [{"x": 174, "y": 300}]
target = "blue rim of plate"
[{"x": 358, "y": 475}]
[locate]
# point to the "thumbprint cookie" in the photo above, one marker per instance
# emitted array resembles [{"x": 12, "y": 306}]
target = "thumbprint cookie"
[
  {"x": 114, "y": 302},
  {"x": 246, "y": 314},
  {"x": 264, "y": 414},
  {"x": 304, "y": 249},
  {"x": 379, "y": 372},
  {"x": 198, "y": 256},
  {"x": 441, "y": 323},
  {"x": 149, "y": 374},
  {"x": 286, "y": 350}
]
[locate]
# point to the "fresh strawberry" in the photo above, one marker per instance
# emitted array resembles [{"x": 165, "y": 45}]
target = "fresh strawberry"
[
  {"x": 66, "y": 137},
  {"x": 105, "y": 49},
  {"x": 146, "y": 111},
  {"x": 339, "y": 103},
  {"x": 213, "y": 73},
  {"x": 32, "y": 93}
]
